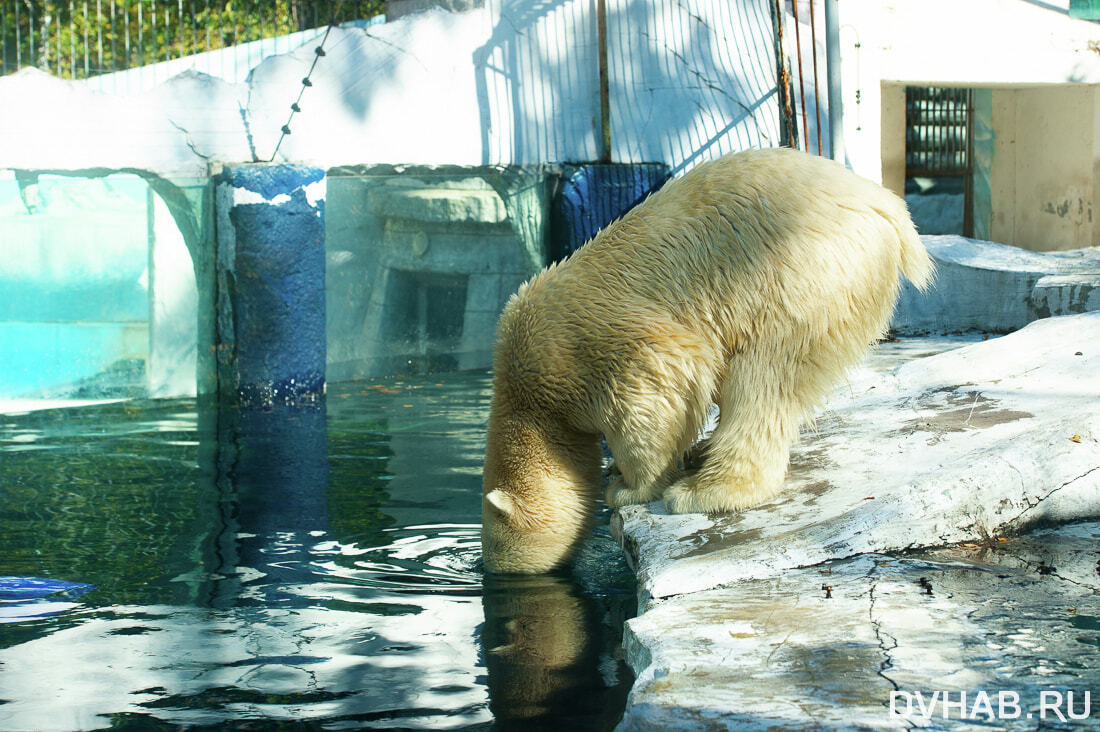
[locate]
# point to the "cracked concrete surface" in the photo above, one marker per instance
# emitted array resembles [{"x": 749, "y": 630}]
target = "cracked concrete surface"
[
  {"x": 923, "y": 551},
  {"x": 782, "y": 653}
]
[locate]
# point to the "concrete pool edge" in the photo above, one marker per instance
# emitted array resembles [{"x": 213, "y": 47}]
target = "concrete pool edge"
[{"x": 11, "y": 407}]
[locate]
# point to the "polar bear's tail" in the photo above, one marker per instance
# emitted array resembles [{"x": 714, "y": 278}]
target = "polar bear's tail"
[{"x": 916, "y": 264}]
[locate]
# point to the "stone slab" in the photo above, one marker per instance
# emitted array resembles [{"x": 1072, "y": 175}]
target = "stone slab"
[
  {"x": 441, "y": 205},
  {"x": 1017, "y": 620},
  {"x": 991, "y": 288},
  {"x": 985, "y": 440},
  {"x": 1067, "y": 294}
]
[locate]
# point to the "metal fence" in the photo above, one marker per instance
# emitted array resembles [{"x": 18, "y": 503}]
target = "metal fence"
[
  {"x": 938, "y": 125},
  {"x": 81, "y": 39}
]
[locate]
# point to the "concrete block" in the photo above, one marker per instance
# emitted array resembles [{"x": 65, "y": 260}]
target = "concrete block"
[
  {"x": 441, "y": 205},
  {"x": 984, "y": 287},
  {"x": 1066, "y": 294}
]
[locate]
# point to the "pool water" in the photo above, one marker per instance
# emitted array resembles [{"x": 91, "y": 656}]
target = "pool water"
[{"x": 311, "y": 567}]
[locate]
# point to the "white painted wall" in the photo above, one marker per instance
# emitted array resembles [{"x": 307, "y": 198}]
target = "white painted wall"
[{"x": 514, "y": 82}]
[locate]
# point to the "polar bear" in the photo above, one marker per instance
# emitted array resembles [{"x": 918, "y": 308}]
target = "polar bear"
[{"x": 753, "y": 282}]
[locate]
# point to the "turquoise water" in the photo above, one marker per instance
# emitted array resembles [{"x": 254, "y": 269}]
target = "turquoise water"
[
  {"x": 74, "y": 283},
  {"x": 315, "y": 567},
  {"x": 57, "y": 357}
]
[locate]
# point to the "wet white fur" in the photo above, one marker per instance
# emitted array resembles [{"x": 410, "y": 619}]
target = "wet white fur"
[{"x": 754, "y": 282}]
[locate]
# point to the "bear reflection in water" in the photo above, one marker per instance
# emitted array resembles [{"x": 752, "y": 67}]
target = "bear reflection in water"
[
  {"x": 752, "y": 282},
  {"x": 552, "y": 662}
]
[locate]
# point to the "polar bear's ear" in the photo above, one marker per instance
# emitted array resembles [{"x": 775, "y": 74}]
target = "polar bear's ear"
[{"x": 501, "y": 502}]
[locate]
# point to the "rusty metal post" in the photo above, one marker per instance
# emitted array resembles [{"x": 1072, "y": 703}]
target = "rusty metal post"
[
  {"x": 788, "y": 129},
  {"x": 605, "y": 95}
]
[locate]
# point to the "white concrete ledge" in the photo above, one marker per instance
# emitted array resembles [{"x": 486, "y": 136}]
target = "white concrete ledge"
[
  {"x": 895, "y": 562},
  {"x": 994, "y": 288},
  {"x": 834, "y": 646}
]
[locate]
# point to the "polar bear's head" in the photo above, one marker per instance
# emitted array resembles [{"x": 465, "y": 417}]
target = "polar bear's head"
[{"x": 537, "y": 496}]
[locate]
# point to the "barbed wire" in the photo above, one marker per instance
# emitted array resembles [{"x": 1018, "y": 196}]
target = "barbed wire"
[{"x": 296, "y": 107}]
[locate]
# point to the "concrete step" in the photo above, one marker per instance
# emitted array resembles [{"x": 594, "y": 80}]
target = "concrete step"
[{"x": 1066, "y": 294}]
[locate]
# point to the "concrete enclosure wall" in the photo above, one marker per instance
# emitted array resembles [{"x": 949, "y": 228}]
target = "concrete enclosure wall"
[
  {"x": 1036, "y": 177},
  {"x": 117, "y": 285},
  {"x": 499, "y": 90},
  {"x": 512, "y": 83}
]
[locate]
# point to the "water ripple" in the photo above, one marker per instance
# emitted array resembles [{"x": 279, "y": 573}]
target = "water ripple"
[{"x": 430, "y": 558}]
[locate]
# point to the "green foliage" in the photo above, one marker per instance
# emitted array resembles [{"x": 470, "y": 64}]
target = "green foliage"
[{"x": 75, "y": 39}]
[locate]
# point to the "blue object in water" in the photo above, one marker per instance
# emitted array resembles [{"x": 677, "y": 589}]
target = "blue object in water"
[
  {"x": 27, "y": 588},
  {"x": 23, "y": 598}
]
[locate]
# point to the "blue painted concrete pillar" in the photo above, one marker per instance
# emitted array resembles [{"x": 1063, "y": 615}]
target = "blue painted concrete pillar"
[{"x": 271, "y": 283}]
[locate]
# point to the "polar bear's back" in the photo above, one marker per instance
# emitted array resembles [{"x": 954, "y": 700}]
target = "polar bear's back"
[
  {"x": 752, "y": 209},
  {"x": 773, "y": 249},
  {"x": 757, "y": 230}
]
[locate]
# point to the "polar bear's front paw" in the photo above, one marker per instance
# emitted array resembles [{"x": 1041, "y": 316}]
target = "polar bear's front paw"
[
  {"x": 687, "y": 496},
  {"x": 620, "y": 494}
]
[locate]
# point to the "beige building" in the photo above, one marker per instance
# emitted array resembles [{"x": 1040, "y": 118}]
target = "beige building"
[
  {"x": 1035, "y": 162},
  {"x": 1034, "y": 129}
]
